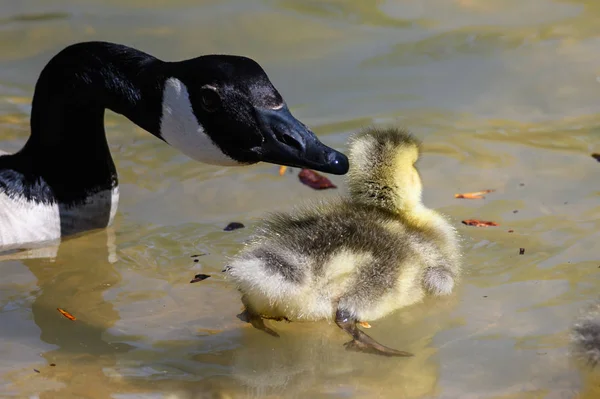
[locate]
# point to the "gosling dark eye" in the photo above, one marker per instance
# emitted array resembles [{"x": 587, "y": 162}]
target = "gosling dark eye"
[{"x": 210, "y": 99}]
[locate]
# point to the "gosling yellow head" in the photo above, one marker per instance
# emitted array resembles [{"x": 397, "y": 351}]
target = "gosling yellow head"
[
  {"x": 353, "y": 259},
  {"x": 383, "y": 172}
]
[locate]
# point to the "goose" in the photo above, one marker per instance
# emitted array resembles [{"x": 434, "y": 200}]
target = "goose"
[
  {"x": 216, "y": 109},
  {"x": 356, "y": 259}
]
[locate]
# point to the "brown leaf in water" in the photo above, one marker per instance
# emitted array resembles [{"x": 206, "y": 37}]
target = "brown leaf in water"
[
  {"x": 314, "y": 180},
  {"x": 66, "y": 314},
  {"x": 282, "y": 170},
  {"x": 521, "y": 251},
  {"x": 596, "y": 156},
  {"x": 199, "y": 277},
  {"x": 479, "y": 223},
  {"x": 474, "y": 195}
]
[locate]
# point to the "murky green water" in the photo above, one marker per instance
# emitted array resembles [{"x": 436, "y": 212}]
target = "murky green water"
[{"x": 504, "y": 93}]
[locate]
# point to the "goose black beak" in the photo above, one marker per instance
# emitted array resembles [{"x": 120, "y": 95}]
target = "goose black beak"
[{"x": 287, "y": 141}]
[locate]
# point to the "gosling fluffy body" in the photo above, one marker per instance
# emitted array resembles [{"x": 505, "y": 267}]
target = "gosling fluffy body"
[
  {"x": 585, "y": 335},
  {"x": 358, "y": 258}
]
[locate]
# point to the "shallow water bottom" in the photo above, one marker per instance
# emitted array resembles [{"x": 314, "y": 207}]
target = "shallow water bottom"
[{"x": 143, "y": 329}]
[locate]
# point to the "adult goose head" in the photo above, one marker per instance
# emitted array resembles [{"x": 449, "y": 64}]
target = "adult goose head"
[{"x": 217, "y": 109}]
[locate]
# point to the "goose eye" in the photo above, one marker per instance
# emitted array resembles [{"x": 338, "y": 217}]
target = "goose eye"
[{"x": 210, "y": 99}]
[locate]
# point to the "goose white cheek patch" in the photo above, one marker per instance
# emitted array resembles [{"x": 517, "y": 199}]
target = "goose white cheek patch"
[{"x": 181, "y": 129}]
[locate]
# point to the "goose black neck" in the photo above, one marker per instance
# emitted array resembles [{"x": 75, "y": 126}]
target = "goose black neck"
[
  {"x": 67, "y": 151},
  {"x": 83, "y": 80}
]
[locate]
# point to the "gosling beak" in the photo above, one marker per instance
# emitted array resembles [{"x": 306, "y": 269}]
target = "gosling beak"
[{"x": 288, "y": 142}]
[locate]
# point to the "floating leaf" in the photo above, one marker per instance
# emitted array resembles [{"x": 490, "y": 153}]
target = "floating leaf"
[
  {"x": 521, "y": 251},
  {"x": 474, "y": 195},
  {"x": 66, "y": 314},
  {"x": 314, "y": 180},
  {"x": 234, "y": 226},
  {"x": 479, "y": 223},
  {"x": 199, "y": 277}
]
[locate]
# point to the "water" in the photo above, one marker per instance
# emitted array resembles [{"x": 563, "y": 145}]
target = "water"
[{"x": 505, "y": 95}]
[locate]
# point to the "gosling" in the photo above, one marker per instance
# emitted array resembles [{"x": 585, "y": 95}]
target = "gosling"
[
  {"x": 585, "y": 335},
  {"x": 353, "y": 259}
]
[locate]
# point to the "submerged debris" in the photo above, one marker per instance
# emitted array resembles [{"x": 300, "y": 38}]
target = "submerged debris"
[
  {"x": 283, "y": 169},
  {"x": 199, "y": 277},
  {"x": 521, "y": 251},
  {"x": 234, "y": 226},
  {"x": 314, "y": 180},
  {"x": 478, "y": 223}
]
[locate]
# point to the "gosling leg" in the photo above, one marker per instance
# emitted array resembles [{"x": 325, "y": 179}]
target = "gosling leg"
[
  {"x": 254, "y": 318},
  {"x": 361, "y": 342},
  {"x": 257, "y": 322}
]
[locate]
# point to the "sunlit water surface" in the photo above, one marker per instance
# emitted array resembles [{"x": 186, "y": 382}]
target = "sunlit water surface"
[{"x": 505, "y": 95}]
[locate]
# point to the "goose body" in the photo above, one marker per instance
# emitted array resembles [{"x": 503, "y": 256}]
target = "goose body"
[
  {"x": 353, "y": 259},
  {"x": 217, "y": 109}
]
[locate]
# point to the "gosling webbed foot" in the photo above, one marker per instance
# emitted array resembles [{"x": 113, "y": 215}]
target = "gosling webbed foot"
[
  {"x": 361, "y": 342},
  {"x": 257, "y": 322}
]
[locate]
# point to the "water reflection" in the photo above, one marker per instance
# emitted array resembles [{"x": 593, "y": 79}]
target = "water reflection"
[
  {"x": 355, "y": 11},
  {"x": 308, "y": 359},
  {"x": 100, "y": 353},
  {"x": 75, "y": 275}
]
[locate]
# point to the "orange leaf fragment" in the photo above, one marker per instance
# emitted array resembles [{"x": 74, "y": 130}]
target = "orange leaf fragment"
[
  {"x": 479, "y": 223},
  {"x": 282, "y": 170},
  {"x": 364, "y": 324},
  {"x": 474, "y": 195},
  {"x": 66, "y": 314},
  {"x": 314, "y": 180}
]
